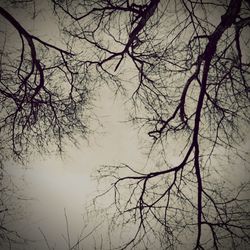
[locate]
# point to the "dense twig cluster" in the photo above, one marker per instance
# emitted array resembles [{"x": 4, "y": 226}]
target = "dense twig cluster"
[{"x": 42, "y": 92}]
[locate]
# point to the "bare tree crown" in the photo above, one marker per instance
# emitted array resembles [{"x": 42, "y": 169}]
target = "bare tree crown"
[{"x": 191, "y": 63}]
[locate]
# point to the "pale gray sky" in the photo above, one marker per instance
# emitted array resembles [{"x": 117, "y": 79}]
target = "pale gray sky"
[{"x": 53, "y": 183}]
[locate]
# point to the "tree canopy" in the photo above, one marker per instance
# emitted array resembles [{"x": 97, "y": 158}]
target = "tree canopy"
[{"x": 186, "y": 67}]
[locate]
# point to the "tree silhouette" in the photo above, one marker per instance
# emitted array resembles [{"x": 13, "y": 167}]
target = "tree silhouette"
[
  {"x": 42, "y": 92},
  {"x": 191, "y": 95},
  {"x": 192, "y": 67},
  {"x": 42, "y": 96}
]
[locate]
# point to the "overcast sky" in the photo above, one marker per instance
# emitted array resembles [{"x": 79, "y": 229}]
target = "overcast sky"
[{"x": 53, "y": 183}]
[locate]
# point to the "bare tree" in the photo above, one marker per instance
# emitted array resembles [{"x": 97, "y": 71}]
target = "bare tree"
[
  {"x": 43, "y": 93},
  {"x": 44, "y": 99},
  {"x": 192, "y": 68},
  {"x": 192, "y": 63}
]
